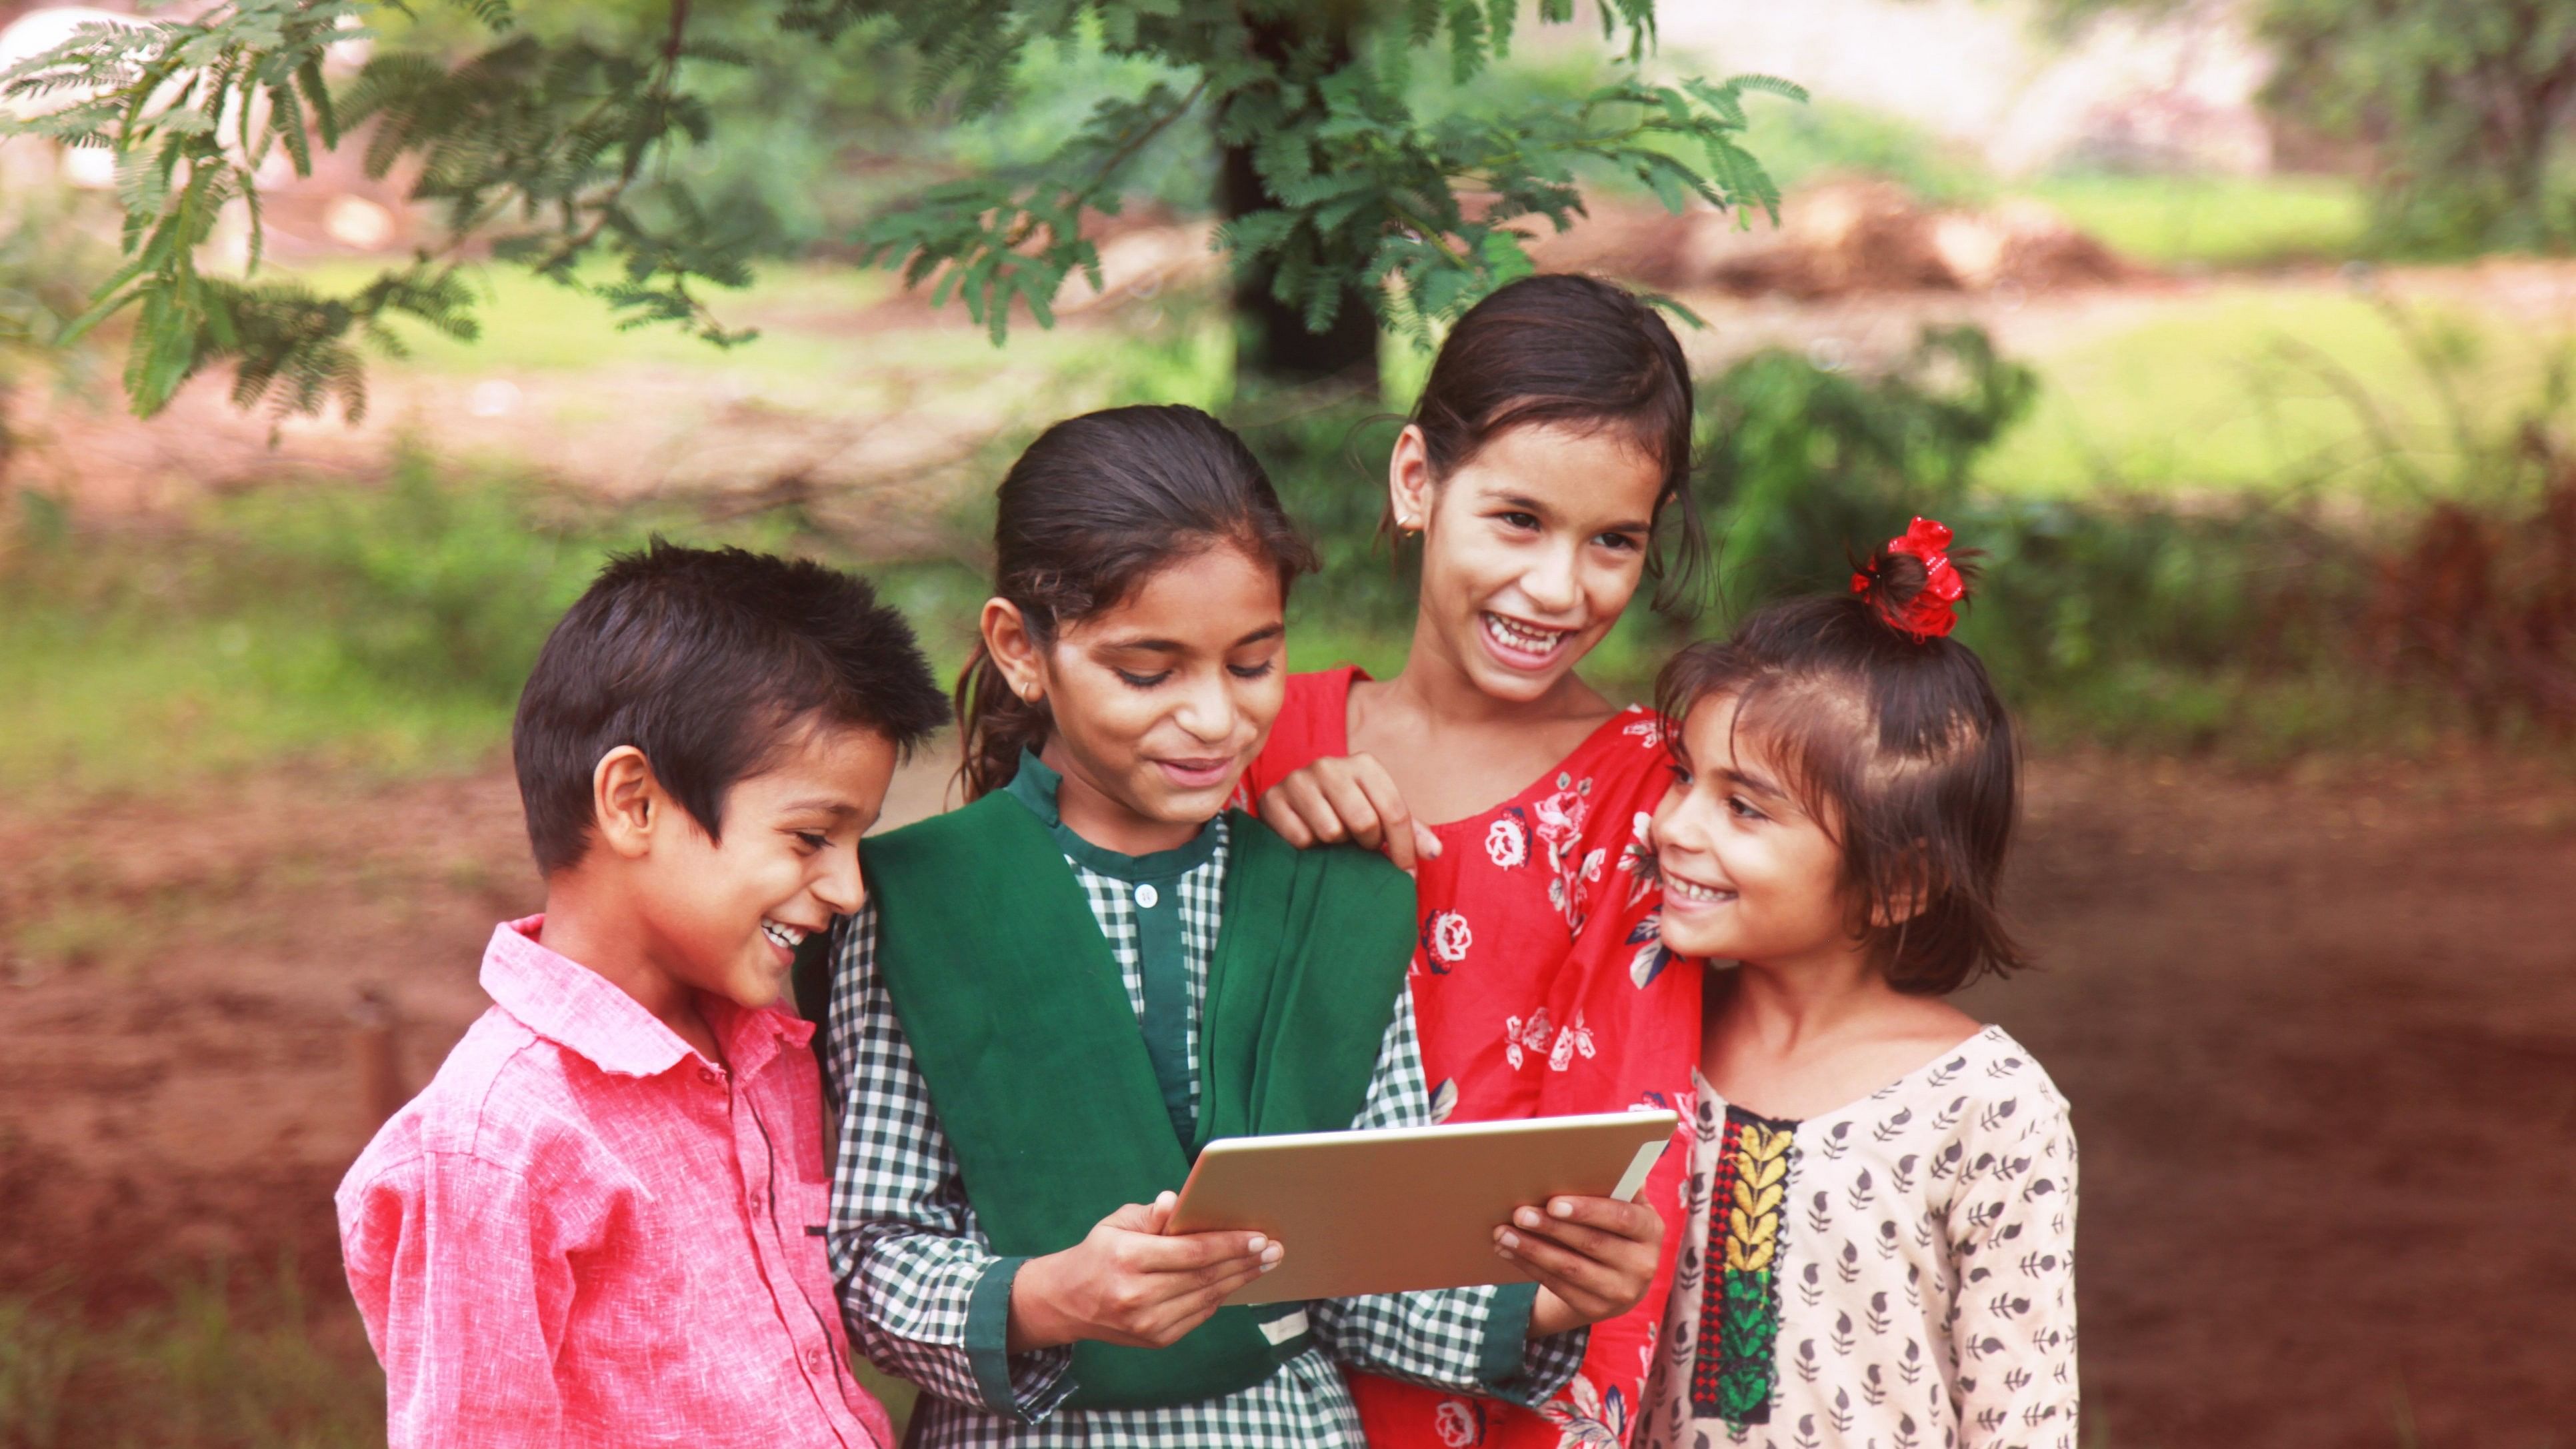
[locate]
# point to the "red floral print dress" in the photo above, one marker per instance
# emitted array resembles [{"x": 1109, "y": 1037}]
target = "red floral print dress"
[{"x": 1541, "y": 991}]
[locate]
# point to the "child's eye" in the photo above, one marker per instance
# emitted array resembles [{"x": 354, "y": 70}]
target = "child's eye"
[
  {"x": 1252, "y": 671},
  {"x": 1681, "y": 775},
  {"x": 1517, "y": 519},
  {"x": 1623, "y": 542},
  {"x": 1142, "y": 681},
  {"x": 813, "y": 839},
  {"x": 1743, "y": 808}
]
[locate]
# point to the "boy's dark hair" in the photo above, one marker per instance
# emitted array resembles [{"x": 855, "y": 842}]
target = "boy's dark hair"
[
  {"x": 706, "y": 660},
  {"x": 1576, "y": 352},
  {"x": 1093, "y": 508},
  {"x": 1903, "y": 739}
]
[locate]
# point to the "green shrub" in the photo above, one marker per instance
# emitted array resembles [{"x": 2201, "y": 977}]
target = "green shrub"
[{"x": 1802, "y": 465}]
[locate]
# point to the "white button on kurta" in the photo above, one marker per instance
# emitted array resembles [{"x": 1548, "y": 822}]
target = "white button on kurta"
[{"x": 1146, "y": 896}]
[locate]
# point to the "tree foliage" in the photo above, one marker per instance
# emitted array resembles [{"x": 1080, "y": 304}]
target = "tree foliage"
[{"x": 556, "y": 151}]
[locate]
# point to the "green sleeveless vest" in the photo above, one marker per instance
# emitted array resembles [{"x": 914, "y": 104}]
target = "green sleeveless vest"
[{"x": 1012, "y": 1003}]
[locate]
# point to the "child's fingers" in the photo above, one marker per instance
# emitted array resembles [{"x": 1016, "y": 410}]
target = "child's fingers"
[
  {"x": 1192, "y": 1252},
  {"x": 1591, "y": 1243},
  {"x": 1573, "y": 1276},
  {"x": 1280, "y": 816},
  {"x": 1396, "y": 826},
  {"x": 1302, "y": 797},
  {"x": 1426, "y": 841},
  {"x": 1220, "y": 1280},
  {"x": 1633, "y": 1221},
  {"x": 1349, "y": 800},
  {"x": 1191, "y": 1310}
]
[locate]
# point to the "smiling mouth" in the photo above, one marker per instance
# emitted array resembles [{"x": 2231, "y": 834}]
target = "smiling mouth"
[
  {"x": 786, "y": 937},
  {"x": 1527, "y": 640},
  {"x": 1684, "y": 889},
  {"x": 1198, "y": 772}
]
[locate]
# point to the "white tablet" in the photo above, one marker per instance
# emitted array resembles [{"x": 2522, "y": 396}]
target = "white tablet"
[{"x": 1396, "y": 1210}]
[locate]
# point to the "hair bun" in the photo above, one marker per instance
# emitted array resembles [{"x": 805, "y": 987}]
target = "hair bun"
[{"x": 1911, "y": 582}]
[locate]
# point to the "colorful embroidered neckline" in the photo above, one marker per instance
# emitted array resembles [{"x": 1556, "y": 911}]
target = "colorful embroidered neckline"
[{"x": 1736, "y": 1367}]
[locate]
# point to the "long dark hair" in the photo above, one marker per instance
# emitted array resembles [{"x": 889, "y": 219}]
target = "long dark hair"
[
  {"x": 1578, "y": 351},
  {"x": 1905, "y": 737},
  {"x": 1095, "y": 507}
]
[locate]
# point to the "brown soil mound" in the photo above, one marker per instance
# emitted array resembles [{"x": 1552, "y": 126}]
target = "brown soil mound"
[{"x": 1838, "y": 239}]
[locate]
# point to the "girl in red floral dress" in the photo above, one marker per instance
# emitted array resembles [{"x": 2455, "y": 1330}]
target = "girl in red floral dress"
[{"x": 1545, "y": 469}]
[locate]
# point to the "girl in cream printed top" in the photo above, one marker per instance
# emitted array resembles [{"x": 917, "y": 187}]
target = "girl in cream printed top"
[{"x": 1881, "y": 1195}]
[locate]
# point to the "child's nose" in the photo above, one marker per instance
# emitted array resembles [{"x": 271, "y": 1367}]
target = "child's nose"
[
  {"x": 841, "y": 886},
  {"x": 1671, "y": 824},
  {"x": 1207, "y": 712},
  {"x": 1550, "y": 584}
]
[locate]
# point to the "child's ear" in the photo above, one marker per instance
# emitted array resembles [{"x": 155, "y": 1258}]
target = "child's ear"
[
  {"x": 626, "y": 801},
  {"x": 1014, "y": 651},
  {"x": 1408, "y": 481}
]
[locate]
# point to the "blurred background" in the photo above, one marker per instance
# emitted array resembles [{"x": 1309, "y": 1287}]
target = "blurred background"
[{"x": 2237, "y": 333}]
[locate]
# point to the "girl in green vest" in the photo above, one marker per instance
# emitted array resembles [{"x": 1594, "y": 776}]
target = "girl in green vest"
[{"x": 1057, "y": 994}]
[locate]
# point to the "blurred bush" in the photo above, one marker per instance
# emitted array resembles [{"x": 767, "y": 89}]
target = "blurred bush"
[
  {"x": 1802, "y": 463},
  {"x": 429, "y": 585}
]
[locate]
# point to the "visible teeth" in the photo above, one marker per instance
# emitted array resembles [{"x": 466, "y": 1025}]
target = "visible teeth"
[
  {"x": 1535, "y": 641},
  {"x": 1691, "y": 890},
  {"x": 787, "y": 936}
]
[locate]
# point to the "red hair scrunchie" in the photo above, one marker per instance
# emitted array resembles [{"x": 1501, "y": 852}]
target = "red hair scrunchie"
[{"x": 1934, "y": 611}]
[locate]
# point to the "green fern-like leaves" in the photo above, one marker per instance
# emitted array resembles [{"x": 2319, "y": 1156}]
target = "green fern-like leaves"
[
  {"x": 1366, "y": 192},
  {"x": 541, "y": 149},
  {"x": 548, "y": 150}
]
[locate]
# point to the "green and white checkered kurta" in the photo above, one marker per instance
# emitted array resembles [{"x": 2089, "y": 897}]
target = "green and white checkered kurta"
[{"x": 908, "y": 1253}]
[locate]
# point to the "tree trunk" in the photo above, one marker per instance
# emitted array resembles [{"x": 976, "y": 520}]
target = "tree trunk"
[{"x": 1273, "y": 347}]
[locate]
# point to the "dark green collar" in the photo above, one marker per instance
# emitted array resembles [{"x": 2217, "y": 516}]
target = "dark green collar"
[{"x": 1035, "y": 786}]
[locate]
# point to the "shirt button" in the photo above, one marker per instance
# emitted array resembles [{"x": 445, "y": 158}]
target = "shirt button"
[
  {"x": 1146, "y": 896},
  {"x": 759, "y": 1200},
  {"x": 815, "y": 1362},
  {"x": 707, "y": 1075}
]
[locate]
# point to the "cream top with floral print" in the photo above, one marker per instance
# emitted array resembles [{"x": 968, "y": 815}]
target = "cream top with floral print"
[{"x": 1897, "y": 1274}]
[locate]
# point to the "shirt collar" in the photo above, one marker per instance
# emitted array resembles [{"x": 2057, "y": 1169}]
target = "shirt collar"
[
  {"x": 1035, "y": 785},
  {"x": 576, "y": 1008}
]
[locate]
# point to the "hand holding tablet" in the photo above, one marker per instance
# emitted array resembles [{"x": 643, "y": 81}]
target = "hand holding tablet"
[{"x": 1414, "y": 1208}]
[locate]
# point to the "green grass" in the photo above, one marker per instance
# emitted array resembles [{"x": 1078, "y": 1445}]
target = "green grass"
[
  {"x": 821, "y": 346},
  {"x": 384, "y": 629},
  {"x": 1800, "y": 145},
  {"x": 2183, "y": 221},
  {"x": 2213, "y": 221},
  {"x": 2251, "y": 390},
  {"x": 220, "y": 1365}
]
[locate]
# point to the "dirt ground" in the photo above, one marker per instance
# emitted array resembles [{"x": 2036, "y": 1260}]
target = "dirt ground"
[{"x": 2320, "y": 1033}]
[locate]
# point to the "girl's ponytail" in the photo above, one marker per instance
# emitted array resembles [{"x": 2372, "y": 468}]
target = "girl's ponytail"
[{"x": 1092, "y": 509}]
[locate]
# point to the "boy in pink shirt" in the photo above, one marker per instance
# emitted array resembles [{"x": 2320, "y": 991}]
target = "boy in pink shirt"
[{"x": 600, "y": 1223}]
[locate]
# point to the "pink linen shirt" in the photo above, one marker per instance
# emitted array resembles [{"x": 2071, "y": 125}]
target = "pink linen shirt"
[{"x": 582, "y": 1232}]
